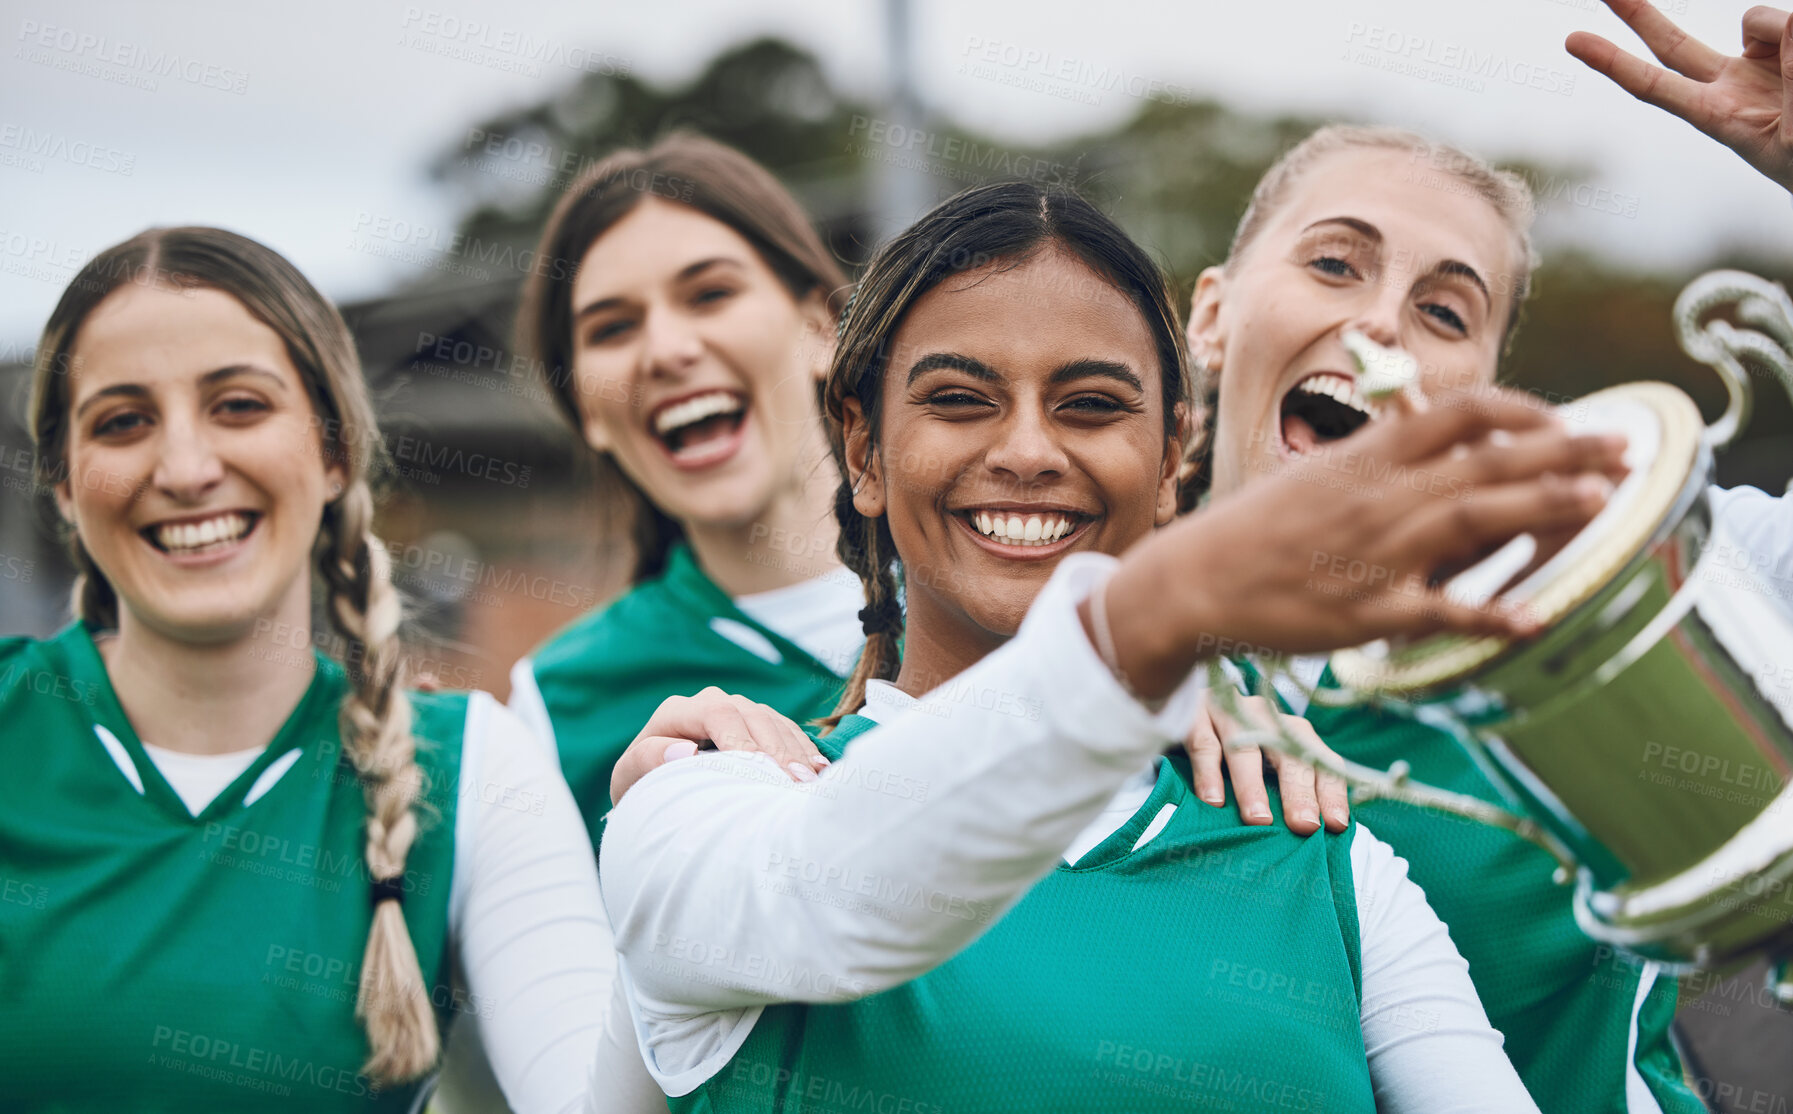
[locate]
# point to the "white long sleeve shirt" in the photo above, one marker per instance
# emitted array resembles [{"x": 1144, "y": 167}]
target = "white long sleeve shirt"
[{"x": 975, "y": 791}]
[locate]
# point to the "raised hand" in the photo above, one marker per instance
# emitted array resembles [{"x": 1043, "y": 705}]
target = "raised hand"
[{"x": 1744, "y": 102}]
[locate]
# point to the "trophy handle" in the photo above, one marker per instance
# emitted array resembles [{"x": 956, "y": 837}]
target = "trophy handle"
[
  {"x": 1368, "y": 783},
  {"x": 1722, "y": 346}
]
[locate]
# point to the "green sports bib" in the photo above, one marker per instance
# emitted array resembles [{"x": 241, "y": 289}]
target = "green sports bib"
[
  {"x": 152, "y": 960},
  {"x": 603, "y": 676},
  {"x": 1563, "y": 1002},
  {"x": 1214, "y": 967}
]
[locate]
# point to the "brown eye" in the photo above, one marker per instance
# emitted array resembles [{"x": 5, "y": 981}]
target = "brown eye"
[
  {"x": 115, "y": 424},
  {"x": 1333, "y": 265}
]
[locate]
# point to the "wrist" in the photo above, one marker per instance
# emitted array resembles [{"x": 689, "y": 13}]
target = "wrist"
[{"x": 1160, "y": 619}]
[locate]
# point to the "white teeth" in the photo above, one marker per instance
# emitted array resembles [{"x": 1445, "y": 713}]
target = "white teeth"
[
  {"x": 1029, "y": 530},
  {"x": 1340, "y": 388},
  {"x": 696, "y": 409},
  {"x": 187, "y": 536}
]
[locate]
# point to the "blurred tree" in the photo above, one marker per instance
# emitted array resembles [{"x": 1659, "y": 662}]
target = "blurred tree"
[{"x": 1176, "y": 175}]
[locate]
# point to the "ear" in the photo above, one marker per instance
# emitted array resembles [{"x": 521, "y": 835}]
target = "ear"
[
  {"x": 596, "y": 435},
  {"x": 336, "y": 479},
  {"x": 1207, "y": 336},
  {"x": 1171, "y": 470},
  {"x": 65, "y": 501},
  {"x": 865, "y": 471},
  {"x": 818, "y": 334}
]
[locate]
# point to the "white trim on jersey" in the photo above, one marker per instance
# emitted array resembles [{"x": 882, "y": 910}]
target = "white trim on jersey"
[
  {"x": 117, "y": 750},
  {"x": 1639, "y": 1099}
]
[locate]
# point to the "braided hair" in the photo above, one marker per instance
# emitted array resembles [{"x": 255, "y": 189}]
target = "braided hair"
[
  {"x": 392, "y": 1002},
  {"x": 1002, "y": 223}
]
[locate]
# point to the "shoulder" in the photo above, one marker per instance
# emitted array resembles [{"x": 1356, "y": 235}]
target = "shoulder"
[
  {"x": 41, "y": 667},
  {"x": 618, "y": 626}
]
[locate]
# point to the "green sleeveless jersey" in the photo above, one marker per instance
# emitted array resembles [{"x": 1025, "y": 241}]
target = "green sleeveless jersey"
[
  {"x": 1564, "y": 1003},
  {"x": 1214, "y": 967},
  {"x": 153, "y": 960},
  {"x": 674, "y": 635}
]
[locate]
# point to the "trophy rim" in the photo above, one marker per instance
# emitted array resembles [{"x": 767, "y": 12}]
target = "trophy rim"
[{"x": 1449, "y": 659}]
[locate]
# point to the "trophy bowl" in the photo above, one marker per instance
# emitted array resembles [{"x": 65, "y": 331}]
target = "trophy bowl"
[{"x": 1648, "y": 731}]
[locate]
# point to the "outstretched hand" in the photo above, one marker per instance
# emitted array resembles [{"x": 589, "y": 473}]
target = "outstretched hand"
[{"x": 1744, "y": 102}]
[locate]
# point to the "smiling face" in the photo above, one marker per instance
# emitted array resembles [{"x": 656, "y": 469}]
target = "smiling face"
[
  {"x": 1368, "y": 239},
  {"x": 696, "y": 367},
  {"x": 1022, "y": 419},
  {"x": 196, "y": 473}
]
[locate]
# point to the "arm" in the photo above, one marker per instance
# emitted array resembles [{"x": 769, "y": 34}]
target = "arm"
[
  {"x": 730, "y": 886},
  {"x": 1430, "y": 1047},
  {"x": 1746, "y": 102},
  {"x": 526, "y": 704},
  {"x": 527, "y": 921}
]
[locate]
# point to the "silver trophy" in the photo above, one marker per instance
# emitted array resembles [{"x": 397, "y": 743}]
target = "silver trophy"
[{"x": 1649, "y": 730}]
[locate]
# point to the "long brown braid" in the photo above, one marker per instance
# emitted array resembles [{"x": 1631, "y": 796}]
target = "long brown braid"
[{"x": 392, "y": 1002}]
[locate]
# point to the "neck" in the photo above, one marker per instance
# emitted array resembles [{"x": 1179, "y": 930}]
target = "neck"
[
  {"x": 792, "y": 540},
  {"x": 210, "y": 698},
  {"x": 935, "y": 652}
]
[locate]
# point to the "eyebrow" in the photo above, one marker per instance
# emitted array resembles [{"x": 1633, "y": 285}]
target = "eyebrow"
[
  {"x": 1447, "y": 267},
  {"x": 135, "y": 390},
  {"x": 1062, "y": 374},
  {"x": 687, "y": 272}
]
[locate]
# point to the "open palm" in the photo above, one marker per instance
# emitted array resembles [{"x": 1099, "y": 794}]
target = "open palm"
[{"x": 1743, "y": 102}]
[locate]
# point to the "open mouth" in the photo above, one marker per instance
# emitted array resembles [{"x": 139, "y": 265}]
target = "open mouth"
[
  {"x": 1024, "y": 529},
  {"x": 1321, "y": 408},
  {"x": 699, "y": 429},
  {"x": 199, "y": 536}
]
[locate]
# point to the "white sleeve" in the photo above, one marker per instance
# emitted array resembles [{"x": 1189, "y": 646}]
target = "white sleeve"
[
  {"x": 731, "y": 886},
  {"x": 1755, "y": 533},
  {"x": 1430, "y": 1046},
  {"x": 526, "y": 701},
  {"x": 527, "y": 921}
]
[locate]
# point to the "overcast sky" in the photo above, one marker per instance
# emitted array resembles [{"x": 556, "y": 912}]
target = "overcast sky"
[{"x": 299, "y": 128}]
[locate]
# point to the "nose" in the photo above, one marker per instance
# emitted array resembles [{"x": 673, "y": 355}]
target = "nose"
[
  {"x": 187, "y": 464},
  {"x": 1379, "y": 317},
  {"x": 670, "y": 343},
  {"x": 1026, "y": 448}
]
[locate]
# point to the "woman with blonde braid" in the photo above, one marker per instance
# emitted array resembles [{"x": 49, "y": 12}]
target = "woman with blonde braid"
[{"x": 235, "y": 869}]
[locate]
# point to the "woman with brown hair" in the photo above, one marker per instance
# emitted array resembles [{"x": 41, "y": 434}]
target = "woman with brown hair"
[
  {"x": 686, "y": 339},
  {"x": 240, "y": 855}
]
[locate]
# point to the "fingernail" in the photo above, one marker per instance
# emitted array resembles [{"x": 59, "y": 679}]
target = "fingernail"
[
  {"x": 1213, "y": 798},
  {"x": 800, "y": 771},
  {"x": 1590, "y": 487},
  {"x": 683, "y": 749},
  {"x": 821, "y": 760},
  {"x": 1307, "y": 816},
  {"x": 1258, "y": 812}
]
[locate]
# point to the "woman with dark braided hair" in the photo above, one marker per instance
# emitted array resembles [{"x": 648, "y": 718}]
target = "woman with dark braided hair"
[
  {"x": 248, "y": 864},
  {"x": 997, "y": 897},
  {"x": 685, "y": 347}
]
